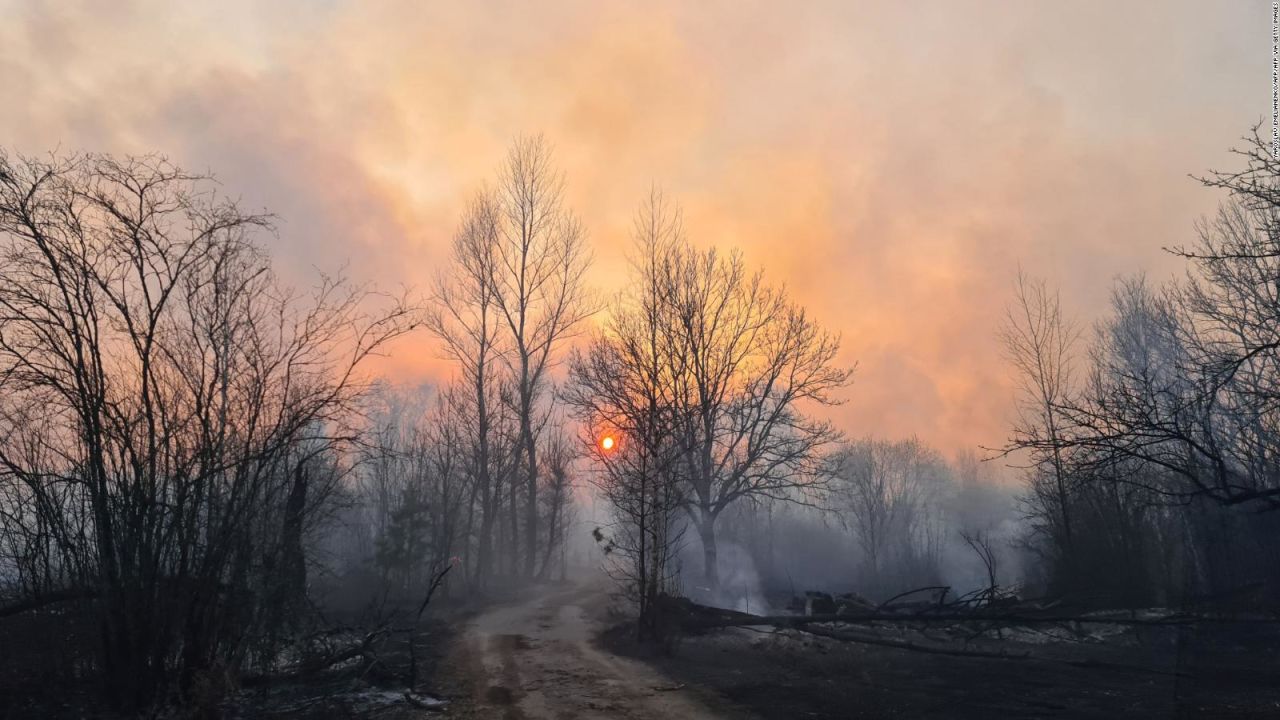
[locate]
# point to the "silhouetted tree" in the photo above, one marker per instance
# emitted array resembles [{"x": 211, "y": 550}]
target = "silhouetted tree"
[
  {"x": 539, "y": 259},
  {"x": 1039, "y": 341},
  {"x": 738, "y": 361},
  {"x": 159, "y": 393},
  {"x": 623, "y": 386},
  {"x": 466, "y": 319}
]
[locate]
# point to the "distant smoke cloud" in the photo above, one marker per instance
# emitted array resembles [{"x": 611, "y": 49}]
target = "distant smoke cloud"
[{"x": 891, "y": 167}]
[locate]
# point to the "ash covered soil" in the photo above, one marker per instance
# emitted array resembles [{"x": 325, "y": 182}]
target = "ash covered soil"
[
  {"x": 1217, "y": 672},
  {"x": 559, "y": 653}
]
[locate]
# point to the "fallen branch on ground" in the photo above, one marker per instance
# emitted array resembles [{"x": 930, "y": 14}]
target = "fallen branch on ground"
[
  {"x": 908, "y": 645},
  {"x": 312, "y": 666},
  {"x": 417, "y": 620},
  {"x": 812, "y": 625},
  {"x": 737, "y": 619}
]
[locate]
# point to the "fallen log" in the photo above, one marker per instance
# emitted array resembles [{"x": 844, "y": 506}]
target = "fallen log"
[
  {"x": 912, "y": 646},
  {"x": 942, "y": 591},
  {"x": 316, "y": 665},
  {"x": 810, "y": 626},
  {"x": 740, "y": 619}
]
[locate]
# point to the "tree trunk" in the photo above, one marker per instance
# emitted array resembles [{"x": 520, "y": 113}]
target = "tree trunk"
[
  {"x": 710, "y": 567},
  {"x": 294, "y": 561},
  {"x": 552, "y": 540},
  {"x": 514, "y": 543},
  {"x": 531, "y": 479}
]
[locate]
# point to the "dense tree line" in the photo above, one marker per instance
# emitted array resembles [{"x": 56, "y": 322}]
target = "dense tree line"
[
  {"x": 1153, "y": 449},
  {"x": 894, "y": 515},
  {"x": 190, "y": 451}
]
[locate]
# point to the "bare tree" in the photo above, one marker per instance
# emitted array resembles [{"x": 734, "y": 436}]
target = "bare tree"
[
  {"x": 440, "y": 450},
  {"x": 890, "y": 492},
  {"x": 1195, "y": 395},
  {"x": 1039, "y": 341},
  {"x": 1169, "y": 446},
  {"x": 466, "y": 318},
  {"x": 513, "y": 296},
  {"x": 557, "y": 497},
  {"x": 413, "y": 485},
  {"x": 980, "y": 542},
  {"x": 753, "y": 361},
  {"x": 622, "y": 387},
  {"x": 738, "y": 360},
  {"x": 538, "y": 263},
  {"x": 161, "y": 398}
]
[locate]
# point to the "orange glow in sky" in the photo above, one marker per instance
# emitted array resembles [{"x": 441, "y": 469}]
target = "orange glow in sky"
[
  {"x": 814, "y": 137},
  {"x": 606, "y": 443}
]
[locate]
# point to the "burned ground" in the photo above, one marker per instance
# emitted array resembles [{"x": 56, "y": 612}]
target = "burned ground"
[
  {"x": 1221, "y": 672},
  {"x": 46, "y": 671}
]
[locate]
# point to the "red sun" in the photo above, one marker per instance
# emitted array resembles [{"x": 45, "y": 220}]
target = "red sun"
[{"x": 607, "y": 443}]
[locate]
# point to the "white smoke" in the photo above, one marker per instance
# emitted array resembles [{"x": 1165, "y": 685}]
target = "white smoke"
[{"x": 740, "y": 587}]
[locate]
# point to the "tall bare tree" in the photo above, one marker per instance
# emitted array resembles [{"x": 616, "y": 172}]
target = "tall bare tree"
[
  {"x": 739, "y": 362},
  {"x": 755, "y": 360},
  {"x": 539, "y": 259},
  {"x": 623, "y": 386},
  {"x": 1039, "y": 340},
  {"x": 467, "y": 320}
]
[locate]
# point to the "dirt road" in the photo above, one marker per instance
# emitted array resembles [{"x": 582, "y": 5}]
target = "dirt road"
[{"x": 537, "y": 659}]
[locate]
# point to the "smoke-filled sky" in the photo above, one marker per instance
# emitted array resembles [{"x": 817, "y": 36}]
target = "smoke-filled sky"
[{"x": 892, "y": 163}]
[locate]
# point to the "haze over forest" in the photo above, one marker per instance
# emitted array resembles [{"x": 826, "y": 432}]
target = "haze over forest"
[
  {"x": 581, "y": 359},
  {"x": 892, "y": 165}
]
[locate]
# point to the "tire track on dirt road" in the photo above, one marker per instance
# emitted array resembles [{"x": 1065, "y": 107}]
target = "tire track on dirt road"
[{"x": 536, "y": 659}]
